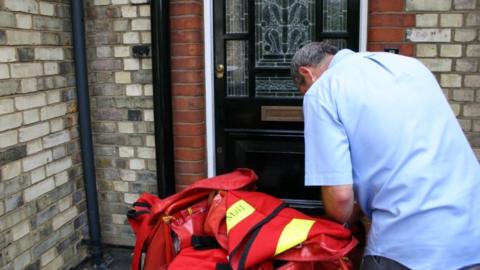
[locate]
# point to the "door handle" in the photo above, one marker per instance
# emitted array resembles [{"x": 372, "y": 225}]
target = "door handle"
[{"x": 220, "y": 71}]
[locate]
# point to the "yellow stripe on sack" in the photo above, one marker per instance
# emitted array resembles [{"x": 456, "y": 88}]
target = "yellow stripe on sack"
[
  {"x": 294, "y": 233},
  {"x": 238, "y": 212}
]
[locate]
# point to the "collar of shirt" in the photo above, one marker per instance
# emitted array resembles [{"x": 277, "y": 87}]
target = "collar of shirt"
[{"x": 339, "y": 56}]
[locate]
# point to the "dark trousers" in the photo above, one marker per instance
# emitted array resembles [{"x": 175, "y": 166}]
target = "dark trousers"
[{"x": 382, "y": 263}]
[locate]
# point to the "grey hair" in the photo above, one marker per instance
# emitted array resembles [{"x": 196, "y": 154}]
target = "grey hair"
[{"x": 312, "y": 55}]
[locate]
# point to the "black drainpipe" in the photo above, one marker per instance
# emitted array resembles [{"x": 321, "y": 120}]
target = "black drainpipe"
[
  {"x": 85, "y": 131},
  {"x": 162, "y": 97}
]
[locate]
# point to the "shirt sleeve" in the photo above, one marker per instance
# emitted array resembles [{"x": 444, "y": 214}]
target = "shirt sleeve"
[{"x": 327, "y": 153}]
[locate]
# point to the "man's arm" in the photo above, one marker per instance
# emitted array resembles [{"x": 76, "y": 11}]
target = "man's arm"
[{"x": 338, "y": 201}]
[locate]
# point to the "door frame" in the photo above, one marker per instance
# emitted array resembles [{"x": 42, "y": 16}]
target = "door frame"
[{"x": 208, "y": 28}]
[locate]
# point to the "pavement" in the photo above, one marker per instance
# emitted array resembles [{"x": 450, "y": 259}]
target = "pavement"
[{"x": 115, "y": 258}]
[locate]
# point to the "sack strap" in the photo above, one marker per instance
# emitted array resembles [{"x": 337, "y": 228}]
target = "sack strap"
[
  {"x": 254, "y": 233},
  {"x": 200, "y": 242},
  {"x": 223, "y": 266},
  {"x": 133, "y": 214},
  {"x": 142, "y": 204}
]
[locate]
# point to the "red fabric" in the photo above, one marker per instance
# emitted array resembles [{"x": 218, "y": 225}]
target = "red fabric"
[
  {"x": 215, "y": 221},
  {"x": 339, "y": 264},
  {"x": 329, "y": 265},
  {"x": 238, "y": 179},
  {"x": 159, "y": 240},
  {"x": 142, "y": 225},
  {"x": 191, "y": 259},
  {"x": 194, "y": 212},
  {"x": 326, "y": 241},
  {"x": 263, "y": 205},
  {"x": 153, "y": 235},
  {"x": 189, "y": 222}
]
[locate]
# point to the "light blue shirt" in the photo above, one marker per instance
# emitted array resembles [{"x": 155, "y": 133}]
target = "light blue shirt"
[{"x": 380, "y": 121}]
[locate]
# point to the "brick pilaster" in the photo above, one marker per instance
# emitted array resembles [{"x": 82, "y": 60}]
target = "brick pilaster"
[
  {"x": 387, "y": 24},
  {"x": 188, "y": 91}
]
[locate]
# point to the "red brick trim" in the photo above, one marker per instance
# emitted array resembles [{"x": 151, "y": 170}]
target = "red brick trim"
[
  {"x": 188, "y": 90},
  {"x": 387, "y": 25}
]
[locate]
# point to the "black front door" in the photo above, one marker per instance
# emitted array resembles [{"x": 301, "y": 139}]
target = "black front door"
[{"x": 258, "y": 113}]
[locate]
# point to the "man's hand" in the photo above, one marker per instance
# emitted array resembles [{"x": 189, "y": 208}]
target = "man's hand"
[{"x": 338, "y": 201}]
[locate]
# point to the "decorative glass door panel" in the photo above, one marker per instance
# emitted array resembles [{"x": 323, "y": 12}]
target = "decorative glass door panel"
[
  {"x": 335, "y": 15},
  {"x": 237, "y": 68},
  {"x": 281, "y": 28},
  {"x": 275, "y": 86},
  {"x": 236, "y": 15},
  {"x": 258, "y": 115}
]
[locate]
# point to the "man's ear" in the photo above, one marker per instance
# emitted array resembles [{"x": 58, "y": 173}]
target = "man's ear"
[{"x": 304, "y": 71}]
